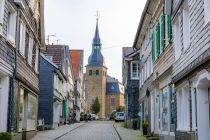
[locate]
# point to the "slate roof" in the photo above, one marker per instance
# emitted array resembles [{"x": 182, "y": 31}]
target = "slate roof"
[
  {"x": 96, "y": 58},
  {"x": 113, "y": 86},
  {"x": 127, "y": 51}
]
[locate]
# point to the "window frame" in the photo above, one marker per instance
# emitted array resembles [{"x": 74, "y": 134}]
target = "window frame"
[
  {"x": 11, "y": 25},
  {"x": 2, "y": 7},
  {"x": 22, "y": 39},
  {"x": 132, "y": 77}
]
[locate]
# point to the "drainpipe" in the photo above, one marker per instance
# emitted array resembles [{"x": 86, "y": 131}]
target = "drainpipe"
[
  {"x": 12, "y": 82},
  {"x": 196, "y": 117}
]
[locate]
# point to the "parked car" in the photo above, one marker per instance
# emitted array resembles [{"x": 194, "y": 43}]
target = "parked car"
[
  {"x": 94, "y": 116},
  {"x": 119, "y": 116}
]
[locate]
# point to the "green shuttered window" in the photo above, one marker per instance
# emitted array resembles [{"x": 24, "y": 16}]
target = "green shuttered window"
[
  {"x": 162, "y": 32},
  {"x": 169, "y": 27},
  {"x": 157, "y": 39},
  {"x": 153, "y": 45}
]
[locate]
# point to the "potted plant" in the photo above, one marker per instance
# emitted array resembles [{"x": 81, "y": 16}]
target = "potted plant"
[
  {"x": 145, "y": 125},
  {"x": 5, "y": 136}
]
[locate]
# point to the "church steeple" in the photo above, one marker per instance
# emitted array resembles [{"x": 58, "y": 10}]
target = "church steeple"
[
  {"x": 96, "y": 40},
  {"x": 96, "y": 58}
]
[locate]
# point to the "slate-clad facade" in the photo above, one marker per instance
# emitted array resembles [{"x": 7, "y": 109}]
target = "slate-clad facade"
[
  {"x": 21, "y": 39},
  {"x": 131, "y": 85},
  {"x": 191, "y": 68},
  {"x": 51, "y": 97}
]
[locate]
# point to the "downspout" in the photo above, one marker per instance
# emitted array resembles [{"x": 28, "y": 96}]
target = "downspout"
[
  {"x": 196, "y": 117},
  {"x": 12, "y": 92}
]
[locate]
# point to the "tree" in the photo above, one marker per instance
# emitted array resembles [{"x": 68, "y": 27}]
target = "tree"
[
  {"x": 96, "y": 106},
  {"x": 120, "y": 109}
]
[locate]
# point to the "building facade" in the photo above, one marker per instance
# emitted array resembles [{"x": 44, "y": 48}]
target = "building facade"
[
  {"x": 154, "y": 40},
  {"x": 131, "y": 83},
  {"x": 22, "y": 37},
  {"x": 76, "y": 60},
  {"x": 52, "y": 93},
  {"x": 114, "y": 95},
  {"x": 190, "y": 20},
  {"x": 59, "y": 55}
]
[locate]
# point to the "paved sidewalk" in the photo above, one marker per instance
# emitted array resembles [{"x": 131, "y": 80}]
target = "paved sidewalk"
[
  {"x": 56, "y": 133},
  {"x": 128, "y": 134}
]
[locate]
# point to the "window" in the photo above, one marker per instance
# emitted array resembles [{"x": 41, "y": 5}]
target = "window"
[
  {"x": 157, "y": 39},
  {"x": 97, "y": 72},
  {"x": 135, "y": 70},
  {"x": 206, "y": 11},
  {"x": 27, "y": 111},
  {"x": 112, "y": 102},
  {"x": 31, "y": 112},
  {"x": 30, "y": 49},
  {"x": 183, "y": 122},
  {"x": 165, "y": 109},
  {"x": 11, "y": 24},
  {"x": 2, "y": 2},
  {"x": 177, "y": 39},
  {"x": 37, "y": 59},
  {"x": 26, "y": 45},
  {"x": 90, "y": 72},
  {"x": 186, "y": 24},
  {"x": 22, "y": 39}
]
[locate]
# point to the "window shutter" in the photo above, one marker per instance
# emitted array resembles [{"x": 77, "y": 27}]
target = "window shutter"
[
  {"x": 162, "y": 31},
  {"x": 157, "y": 39},
  {"x": 153, "y": 45},
  {"x": 169, "y": 27}
]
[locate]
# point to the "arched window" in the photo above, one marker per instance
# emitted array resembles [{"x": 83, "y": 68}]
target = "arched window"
[
  {"x": 90, "y": 72},
  {"x": 97, "y": 72}
]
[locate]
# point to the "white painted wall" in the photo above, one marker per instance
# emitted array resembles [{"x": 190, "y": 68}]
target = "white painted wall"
[
  {"x": 4, "y": 93},
  {"x": 203, "y": 114}
]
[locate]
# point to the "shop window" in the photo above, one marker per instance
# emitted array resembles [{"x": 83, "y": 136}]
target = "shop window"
[
  {"x": 31, "y": 112},
  {"x": 27, "y": 111},
  {"x": 165, "y": 109}
]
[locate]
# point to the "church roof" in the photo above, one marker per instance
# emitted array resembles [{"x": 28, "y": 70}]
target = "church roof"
[
  {"x": 96, "y": 58},
  {"x": 113, "y": 86}
]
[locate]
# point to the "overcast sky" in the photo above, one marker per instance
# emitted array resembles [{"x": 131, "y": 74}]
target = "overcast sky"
[{"x": 73, "y": 22}]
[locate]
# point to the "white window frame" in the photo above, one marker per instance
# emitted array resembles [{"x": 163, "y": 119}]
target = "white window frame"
[
  {"x": 186, "y": 24},
  {"x": 206, "y": 11},
  {"x": 11, "y": 25},
  {"x": 30, "y": 50},
  {"x": 22, "y": 39},
  {"x": 36, "y": 59},
  {"x": 2, "y": 4},
  {"x": 177, "y": 39},
  {"x": 183, "y": 111},
  {"x": 137, "y": 77}
]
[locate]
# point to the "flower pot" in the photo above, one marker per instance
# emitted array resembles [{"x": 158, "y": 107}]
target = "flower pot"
[{"x": 145, "y": 131}]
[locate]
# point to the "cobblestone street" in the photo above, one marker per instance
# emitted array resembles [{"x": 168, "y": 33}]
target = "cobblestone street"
[{"x": 95, "y": 130}]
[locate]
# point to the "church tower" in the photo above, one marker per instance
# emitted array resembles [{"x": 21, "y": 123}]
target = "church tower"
[{"x": 95, "y": 78}]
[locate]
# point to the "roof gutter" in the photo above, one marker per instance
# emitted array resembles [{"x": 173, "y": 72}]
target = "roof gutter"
[{"x": 141, "y": 23}]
